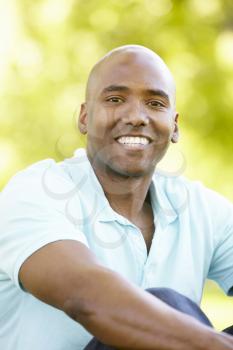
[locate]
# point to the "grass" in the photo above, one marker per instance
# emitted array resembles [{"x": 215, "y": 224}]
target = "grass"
[{"x": 217, "y": 306}]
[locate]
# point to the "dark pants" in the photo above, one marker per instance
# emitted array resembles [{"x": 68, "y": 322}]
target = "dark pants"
[{"x": 175, "y": 300}]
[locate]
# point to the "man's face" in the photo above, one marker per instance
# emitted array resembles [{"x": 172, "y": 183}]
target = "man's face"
[{"x": 129, "y": 116}]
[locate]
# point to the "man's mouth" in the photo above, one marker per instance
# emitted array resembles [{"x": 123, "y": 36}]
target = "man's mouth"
[{"x": 133, "y": 141}]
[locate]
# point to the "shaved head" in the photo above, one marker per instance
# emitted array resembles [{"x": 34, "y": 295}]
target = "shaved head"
[{"x": 120, "y": 55}]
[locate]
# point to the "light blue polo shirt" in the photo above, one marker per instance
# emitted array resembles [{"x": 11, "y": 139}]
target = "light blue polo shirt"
[{"x": 52, "y": 201}]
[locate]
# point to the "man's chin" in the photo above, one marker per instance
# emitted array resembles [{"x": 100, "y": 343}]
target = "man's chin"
[
  {"x": 118, "y": 166},
  {"x": 130, "y": 171}
]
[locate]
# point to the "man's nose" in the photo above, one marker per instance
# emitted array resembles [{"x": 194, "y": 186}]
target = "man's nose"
[{"x": 136, "y": 115}]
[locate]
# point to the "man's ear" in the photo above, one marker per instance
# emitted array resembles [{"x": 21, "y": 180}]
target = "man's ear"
[
  {"x": 175, "y": 135},
  {"x": 82, "y": 120}
]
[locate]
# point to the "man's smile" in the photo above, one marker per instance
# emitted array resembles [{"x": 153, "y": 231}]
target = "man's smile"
[{"x": 133, "y": 142}]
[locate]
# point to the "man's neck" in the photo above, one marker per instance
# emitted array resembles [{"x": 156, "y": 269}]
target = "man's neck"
[{"x": 128, "y": 196}]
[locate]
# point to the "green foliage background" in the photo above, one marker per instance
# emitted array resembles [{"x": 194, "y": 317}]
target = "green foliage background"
[{"x": 47, "y": 48}]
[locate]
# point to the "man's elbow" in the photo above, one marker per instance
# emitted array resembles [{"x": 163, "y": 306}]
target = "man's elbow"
[
  {"x": 85, "y": 303},
  {"x": 79, "y": 309}
]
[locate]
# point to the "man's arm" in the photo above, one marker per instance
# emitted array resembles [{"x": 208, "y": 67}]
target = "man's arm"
[{"x": 67, "y": 275}]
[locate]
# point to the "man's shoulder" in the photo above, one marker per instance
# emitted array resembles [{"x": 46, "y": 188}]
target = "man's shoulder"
[
  {"x": 41, "y": 177},
  {"x": 40, "y": 169},
  {"x": 195, "y": 190}
]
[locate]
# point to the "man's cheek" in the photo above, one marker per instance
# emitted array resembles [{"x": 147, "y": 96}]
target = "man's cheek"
[{"x": 99, "y": 128}]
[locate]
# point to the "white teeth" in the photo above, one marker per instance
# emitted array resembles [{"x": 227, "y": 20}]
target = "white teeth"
[{"x": 133, "y": 140}]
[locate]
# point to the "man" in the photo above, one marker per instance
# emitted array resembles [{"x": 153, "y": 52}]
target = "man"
[{"x": 81, "y": 239}]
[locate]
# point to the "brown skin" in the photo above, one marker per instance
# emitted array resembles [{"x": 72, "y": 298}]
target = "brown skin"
[
  {"x": 132, "y": 93},
  {"x": 66, "y": 274}
]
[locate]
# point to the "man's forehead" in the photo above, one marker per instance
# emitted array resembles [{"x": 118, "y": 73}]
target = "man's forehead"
[{"x": 127, "y": 64}]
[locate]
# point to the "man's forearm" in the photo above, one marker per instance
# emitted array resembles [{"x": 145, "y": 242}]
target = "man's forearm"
[{"x": 122, "y": 315}]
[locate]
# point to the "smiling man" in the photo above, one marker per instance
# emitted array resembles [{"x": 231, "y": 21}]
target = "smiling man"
[{"x": 103, "y": 245}]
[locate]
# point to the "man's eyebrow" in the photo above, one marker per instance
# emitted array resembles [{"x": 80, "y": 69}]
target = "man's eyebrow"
[
  {"x": 111, "y": 88},
  {"x": 158, "y": 93},
  {"x": 154, "y": 92}
]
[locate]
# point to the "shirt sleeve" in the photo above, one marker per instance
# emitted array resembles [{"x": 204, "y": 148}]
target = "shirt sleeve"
[
  {"x": 33, "y": 213},
  {"x": 221, "y": 268}
]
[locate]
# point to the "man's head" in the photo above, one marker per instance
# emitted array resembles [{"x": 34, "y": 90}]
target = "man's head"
[{"x": 129, "y": 114}]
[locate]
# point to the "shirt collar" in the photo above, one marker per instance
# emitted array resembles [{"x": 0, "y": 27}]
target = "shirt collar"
[
  {"x": 162, "y": 206},
  {"x": 84, "y": 175},
  {"x": 85, "y": 179}
]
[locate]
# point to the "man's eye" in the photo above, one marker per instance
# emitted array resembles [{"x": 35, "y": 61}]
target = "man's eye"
[
  {"x": 114, "y": 99},
  {"x": 155, "y": 103}
]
